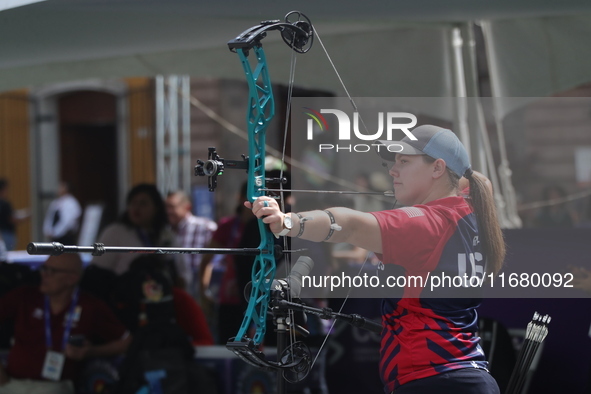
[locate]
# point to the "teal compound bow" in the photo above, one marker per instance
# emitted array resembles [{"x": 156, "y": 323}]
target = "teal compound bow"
[
  {"x": 297, "y": 32},
  {"x": 295, "y": 359}
]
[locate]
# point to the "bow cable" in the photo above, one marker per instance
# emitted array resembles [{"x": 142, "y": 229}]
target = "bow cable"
[{"x": 288, "y": 262}]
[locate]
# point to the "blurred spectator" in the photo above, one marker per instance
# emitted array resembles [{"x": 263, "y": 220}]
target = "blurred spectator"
[
  {"x": 13, "y": 276},
  {"x": 147, "y": 294},
  {"x": 191, "y": 232},
  {"x": 557, "y": 214},
  {"x": 226, "y": 296},
  {"x": 62, "y": 217},
  {"x": 143, "y": 224},
  {"x": 56, "y": 326},
  {"x": 8, "y": 217},
  {"x": 166, "y": 323}
]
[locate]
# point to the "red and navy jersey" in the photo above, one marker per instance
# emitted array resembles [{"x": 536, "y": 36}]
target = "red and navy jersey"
[{"x": 430, "y": 332}]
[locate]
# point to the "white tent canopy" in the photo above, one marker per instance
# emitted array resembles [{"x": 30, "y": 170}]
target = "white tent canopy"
[{"x": 381, "y": 48}]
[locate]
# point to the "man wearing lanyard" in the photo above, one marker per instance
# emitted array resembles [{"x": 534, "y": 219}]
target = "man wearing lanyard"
[{"x": 49, "y": 320}]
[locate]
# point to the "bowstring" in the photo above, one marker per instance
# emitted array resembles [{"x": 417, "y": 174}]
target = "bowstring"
[
  {"x": 287, "y": 256},
  {"x": 341, "y": 80}
]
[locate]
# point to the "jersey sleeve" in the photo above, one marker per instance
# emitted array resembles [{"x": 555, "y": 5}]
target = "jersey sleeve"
[{"x": 410, "y": 235}]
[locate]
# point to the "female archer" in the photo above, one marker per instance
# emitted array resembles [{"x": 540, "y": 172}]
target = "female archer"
[{"x": 428, "y": 342}]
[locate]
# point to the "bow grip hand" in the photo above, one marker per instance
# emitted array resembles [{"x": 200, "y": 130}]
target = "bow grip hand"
[{"x": 267, "y": 209}]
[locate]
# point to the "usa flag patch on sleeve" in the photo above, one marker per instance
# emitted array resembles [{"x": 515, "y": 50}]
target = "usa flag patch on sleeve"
[{"x": 412, "y": 212}]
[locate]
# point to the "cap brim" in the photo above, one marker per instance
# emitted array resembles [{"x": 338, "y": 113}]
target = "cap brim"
[{"x": 387, "y": 150}]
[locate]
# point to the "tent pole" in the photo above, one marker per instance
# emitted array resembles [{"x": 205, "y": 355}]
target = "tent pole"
[
  {"x": 508, "y": 197},
  {"x": 460, "y": 88},
  {"x": 476, "y": 122}
]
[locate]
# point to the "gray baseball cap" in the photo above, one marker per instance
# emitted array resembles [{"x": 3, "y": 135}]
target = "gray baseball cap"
[{"x": 433, "y": 141}]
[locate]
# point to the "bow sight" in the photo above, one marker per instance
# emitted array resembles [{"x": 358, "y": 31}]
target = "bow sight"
[{"x": 215, "y": 166}]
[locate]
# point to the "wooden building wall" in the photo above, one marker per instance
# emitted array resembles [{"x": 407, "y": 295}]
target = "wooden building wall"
[
  {"x": 14, "y": 155},
  {"x": 141, "y": 129}
]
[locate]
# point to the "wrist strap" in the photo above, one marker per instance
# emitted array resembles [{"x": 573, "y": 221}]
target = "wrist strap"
[
  {"x": 302, "y": 221},
  {"x": 333, "y": 225}
]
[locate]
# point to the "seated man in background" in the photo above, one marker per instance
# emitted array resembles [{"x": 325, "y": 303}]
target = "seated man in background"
[{"x": 56, "y": 326}]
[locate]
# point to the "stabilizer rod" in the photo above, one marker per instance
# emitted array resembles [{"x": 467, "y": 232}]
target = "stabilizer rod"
[{"x": 98, "y": 249}]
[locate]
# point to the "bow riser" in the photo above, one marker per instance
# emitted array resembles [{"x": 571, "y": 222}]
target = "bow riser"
[{"x": 261, "y": 110}]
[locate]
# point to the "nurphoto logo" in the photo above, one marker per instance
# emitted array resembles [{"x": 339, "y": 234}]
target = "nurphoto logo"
[{"x": 402, "y": 121}]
